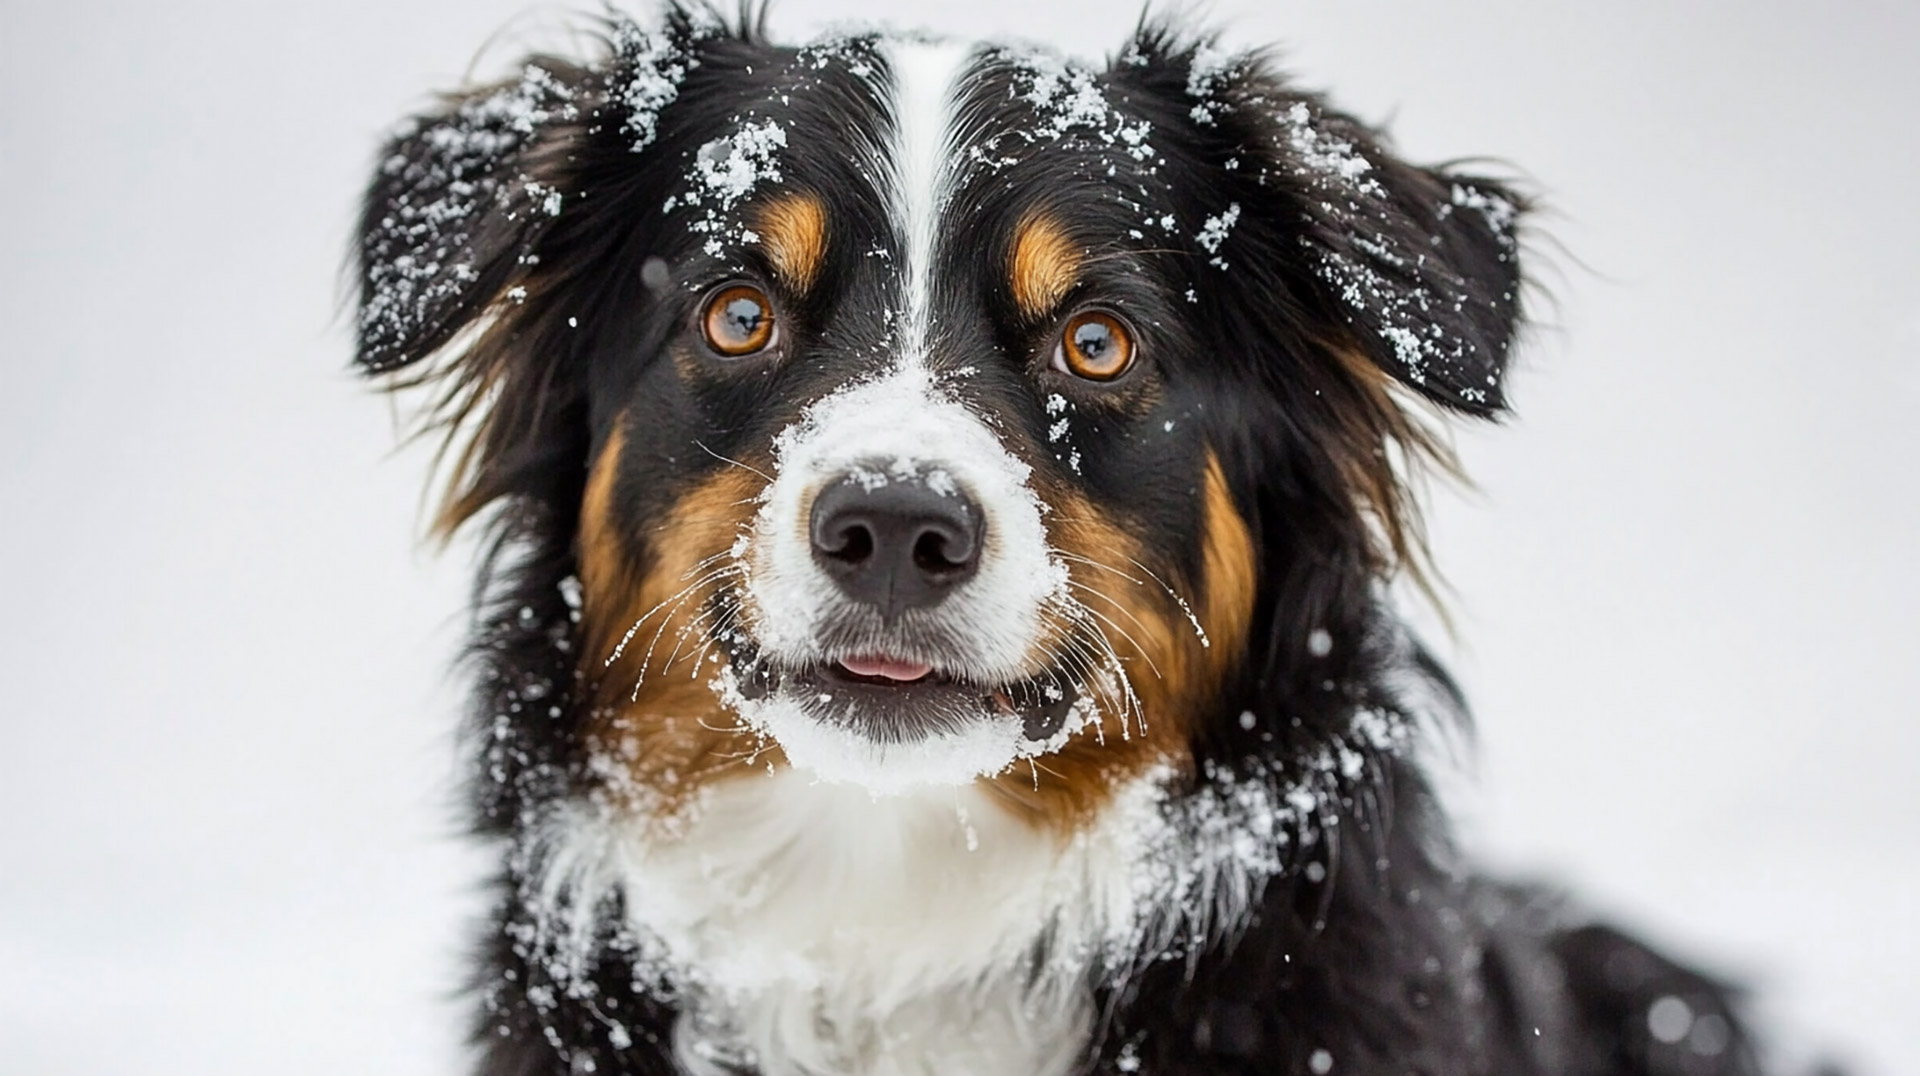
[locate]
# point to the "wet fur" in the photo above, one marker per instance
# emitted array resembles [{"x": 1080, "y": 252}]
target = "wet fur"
[{"x": 1374, "y": 950}]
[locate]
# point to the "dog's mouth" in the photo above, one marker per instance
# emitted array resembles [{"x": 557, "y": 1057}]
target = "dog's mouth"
[
  {"x": 882, "y": 670},
  {"x": 895, "y": 699}
]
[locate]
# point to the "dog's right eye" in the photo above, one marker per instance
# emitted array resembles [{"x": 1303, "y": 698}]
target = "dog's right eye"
[
  {"x": 1095, "y": 346},
  {"x": 738, "y": 321}
]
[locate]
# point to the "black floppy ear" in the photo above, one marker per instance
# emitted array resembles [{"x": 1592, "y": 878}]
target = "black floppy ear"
[
  {"x": 462, "y": 197},
  {"x": 456, "y": 206},
  {"x": 1419, "y": 266}
]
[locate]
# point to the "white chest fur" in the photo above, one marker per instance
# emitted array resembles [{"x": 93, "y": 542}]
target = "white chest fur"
[{"x": 820, "y": 930}]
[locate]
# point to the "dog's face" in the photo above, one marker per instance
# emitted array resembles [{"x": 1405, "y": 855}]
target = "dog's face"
[
  {"x": 919, "y": 387},
  {"x": 931, "y": 413}
]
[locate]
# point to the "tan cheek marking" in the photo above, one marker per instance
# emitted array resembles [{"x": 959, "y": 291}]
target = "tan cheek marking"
[
  {"x": 1157, "y": 646},
  {"x": 793, "y": 229},
  {"x": 653, "y": 709},
  {"x": 1046, "y": 266},
  {"x": 1176, "y": 677}
]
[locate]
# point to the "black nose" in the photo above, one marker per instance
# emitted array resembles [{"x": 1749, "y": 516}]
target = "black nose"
[{"x": 894, "y": 543}]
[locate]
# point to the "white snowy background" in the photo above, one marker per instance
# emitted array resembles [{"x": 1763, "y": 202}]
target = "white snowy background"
[{"x": 1687, "y": 603}]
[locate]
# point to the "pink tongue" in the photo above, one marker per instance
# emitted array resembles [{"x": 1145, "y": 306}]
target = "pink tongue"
[{"x": 886, "y": 668}]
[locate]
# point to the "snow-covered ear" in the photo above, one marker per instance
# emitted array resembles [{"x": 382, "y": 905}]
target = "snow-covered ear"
[
  {"x": 478, "y": 224},
  {"x": 1416, "y": 268},
  {"x": 456, "y": 207},
  {"x": 454, "y": 217},
  {"x": 1422, "y": 265}
]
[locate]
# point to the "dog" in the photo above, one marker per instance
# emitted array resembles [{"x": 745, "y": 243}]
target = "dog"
[{"x": 942, "y": 499}]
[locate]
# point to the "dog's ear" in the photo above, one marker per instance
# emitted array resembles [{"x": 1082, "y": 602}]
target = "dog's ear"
[
  {"x": 456, "y": 206},
  {"x": 1421, "y": 264},
  {"x": 461, "y": 197},
  {"x": 1417, "y": 268},
  {"x": 476, "y": 216}
]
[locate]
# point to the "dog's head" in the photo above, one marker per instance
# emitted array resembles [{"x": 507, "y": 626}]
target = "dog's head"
[{"x": 924, "y": 413}]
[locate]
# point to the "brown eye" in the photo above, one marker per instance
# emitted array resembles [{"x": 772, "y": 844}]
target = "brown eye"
[
  {"x": 738, "y": 321},
  {"x": 1094, "y": 346}
]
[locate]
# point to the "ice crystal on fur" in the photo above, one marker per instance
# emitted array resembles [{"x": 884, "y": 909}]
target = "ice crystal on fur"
[
  {"x": 1337, "y": 165},
  {"x": 1210, "y": 69},
  {"x": 1070, "y": 98},
  {"x": 1499, "y": 213},
  {"x": 654, "y": 65},
  {"x": 1404, "y": 315},
  {"x": 1214, "y": 230},
  {"x": 725, "y": 171}
]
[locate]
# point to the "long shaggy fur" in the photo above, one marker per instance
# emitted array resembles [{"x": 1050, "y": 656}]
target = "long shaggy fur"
[{"x": 1314, "y": 305}]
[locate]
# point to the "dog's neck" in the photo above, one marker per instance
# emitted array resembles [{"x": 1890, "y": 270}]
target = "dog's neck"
[
  {"x": 812, "y": 928},
  {"x": 815, "y": 928}
]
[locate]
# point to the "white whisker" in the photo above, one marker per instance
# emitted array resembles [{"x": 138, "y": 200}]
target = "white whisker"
[
  {"x": 676, "y": 597},
  {"x": 1185, "y": 606},
  {"x": 730, "y": 460}
]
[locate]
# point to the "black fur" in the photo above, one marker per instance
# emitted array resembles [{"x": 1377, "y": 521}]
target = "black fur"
[{"x": 1374, "y": 951}]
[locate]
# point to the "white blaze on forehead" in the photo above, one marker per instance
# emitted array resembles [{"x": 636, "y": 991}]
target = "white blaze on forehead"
[{"x": 926, "y": 75}]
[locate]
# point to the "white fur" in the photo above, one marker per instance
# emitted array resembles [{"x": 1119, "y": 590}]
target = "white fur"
[
  {"x": 811, "y": 930},
  {"x": 919, "y": 167}
]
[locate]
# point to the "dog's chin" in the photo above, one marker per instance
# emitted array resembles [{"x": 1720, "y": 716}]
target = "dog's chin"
[{"x": 892, "y": 726}]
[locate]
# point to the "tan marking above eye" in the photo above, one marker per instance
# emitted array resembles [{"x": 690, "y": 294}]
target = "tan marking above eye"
[
  {"x": 738, "y": 321},
  {"x": 1046, "y": 265},
  {"x": 793, "y": 231},
  {"x": 1095, "y": 346}
]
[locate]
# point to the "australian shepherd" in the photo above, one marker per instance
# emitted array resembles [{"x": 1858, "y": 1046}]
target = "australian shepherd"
[{"x": 942, "y": 498}]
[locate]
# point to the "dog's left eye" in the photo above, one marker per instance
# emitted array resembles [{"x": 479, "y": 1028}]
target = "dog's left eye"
[
  {"x": 738, "y": 321},
  {"x": 1095, "y": 346}
]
